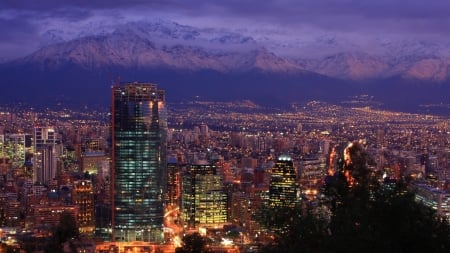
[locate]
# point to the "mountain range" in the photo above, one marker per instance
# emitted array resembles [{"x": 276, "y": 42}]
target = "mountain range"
[{"x": 189, "y": 62}]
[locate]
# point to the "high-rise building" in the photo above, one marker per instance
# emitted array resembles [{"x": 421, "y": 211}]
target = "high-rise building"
[
  {"x": 83, "y": 197},
  {"x": 139, "y": 164},
  {"x": 311, "y": 172},
  {"x": 435, "y": 198},
  {"x": 45, "y": 156},
  {"x": 204, "y": 201},
  {"x": 14, "y": 147},
  {"x": 173, "y": 182},
  {"x": 283, "y": 189}
]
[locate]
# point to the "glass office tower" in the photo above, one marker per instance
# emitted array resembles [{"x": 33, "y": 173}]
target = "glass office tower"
[
  {"x": 139, "y": 178},
  {"x": 204, "y": 201},
  {"x": 284, "y": 189}
]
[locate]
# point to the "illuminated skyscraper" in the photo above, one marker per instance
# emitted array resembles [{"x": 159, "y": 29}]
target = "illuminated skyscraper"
[
  {"x": 139, "y": 162},
  {"x": 173, "y": 182},
  {"x": 204, "y": 201},
  {"x": 283, "y": 189},
  {"x": 83, "y": 197},
  {"x": 14, "y": 147}
]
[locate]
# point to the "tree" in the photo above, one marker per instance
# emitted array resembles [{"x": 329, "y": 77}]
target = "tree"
[
  {"x": 366, "y": 216},
  {"x": 193, "y": 243},
  {"x": 306, "y": 231},
  {"x": 65, "y": 230}
]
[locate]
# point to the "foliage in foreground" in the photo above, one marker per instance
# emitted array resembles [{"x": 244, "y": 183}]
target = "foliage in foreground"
[
  {"x": 365, "y": 216},
  {"x": 193, "y": 243}
]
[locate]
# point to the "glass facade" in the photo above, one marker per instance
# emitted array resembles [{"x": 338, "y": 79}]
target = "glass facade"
[
  {"x": 139, "y": 162},
  {"x": 435, "y": 198},
  {"x": 284, "y": 189},
  {"x": 204, "y": 201}
]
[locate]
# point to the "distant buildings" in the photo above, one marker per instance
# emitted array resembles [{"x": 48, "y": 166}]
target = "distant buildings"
[
  {"x": 125, "y": 189},
  {"x": 14, "y": 147},
  {"x": 98, "y": 164},
  {"x": 436, "y": 199},
  {"x": 312, "y": 171},
  {"x": 138, "y": 162}
]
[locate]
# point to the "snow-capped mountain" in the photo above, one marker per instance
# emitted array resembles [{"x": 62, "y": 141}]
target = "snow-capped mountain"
[
  {"x": 362, "y": 66},
  {"x": 355, "y": 66},
  {"x": 162, "y": 43},
  {"x": 223, "y": 64},
  {"x": 143, "y": 45}
]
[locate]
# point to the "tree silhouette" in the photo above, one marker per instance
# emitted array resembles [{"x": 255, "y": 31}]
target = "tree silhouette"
[
  {"x": 305, "y": 232},
  {"x": 65, "y": 230},
  {"x": 193, "y": 243},
  {"x": 366, "y": 216}
]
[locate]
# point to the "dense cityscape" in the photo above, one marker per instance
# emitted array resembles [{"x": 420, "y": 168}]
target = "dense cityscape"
[{"x": 151, "y": 176}]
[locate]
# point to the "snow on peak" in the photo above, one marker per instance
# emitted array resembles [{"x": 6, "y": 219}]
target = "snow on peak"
[{"x": 166, "y": 43}]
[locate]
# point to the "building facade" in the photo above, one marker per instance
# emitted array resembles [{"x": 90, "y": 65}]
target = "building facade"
[
  {"x": 312, "y": 171},
  {"x": 435, "y": 198},
  {"x": 83, "y": 197},
  {"x": 138, "y": 162},
  {"x": 284, "y": 189},
  {"x": 45, "y": 155},
  {"x": 173, "y": 182},
  {"x": 204, "y": 201}
]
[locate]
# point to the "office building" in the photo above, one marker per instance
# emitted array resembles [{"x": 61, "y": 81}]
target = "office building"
[
  {"x": 283, "y": 188},
  {"x": 173, "y": 182},
  {"x": 204, "y": 201},
  {"x": 435, "y": 198},
  {"x": 138, "y": 162},
  {"x": 14, "y": 147},
  {"x": 45, "y": 155},
  {"x": 83, "y": 197},
  {"x": 312, "y": 171}
]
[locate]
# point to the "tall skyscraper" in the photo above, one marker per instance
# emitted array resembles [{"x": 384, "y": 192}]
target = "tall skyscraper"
[
  {"x": 45, "y": 156},
  {"x": 284, "y": 189},
  {"x": 139, "y": 163}
]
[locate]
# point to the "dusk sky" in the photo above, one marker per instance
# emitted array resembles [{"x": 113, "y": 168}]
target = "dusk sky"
[{"x": 23, "y": 22}]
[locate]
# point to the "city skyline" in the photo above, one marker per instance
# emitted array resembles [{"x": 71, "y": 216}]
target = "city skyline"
[
  {"x": 241, "y": 178},
  {"x": 226, "y": 126}
]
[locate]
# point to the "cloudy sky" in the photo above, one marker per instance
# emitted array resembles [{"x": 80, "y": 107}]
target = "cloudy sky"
[{"x": 22, "y": 22}]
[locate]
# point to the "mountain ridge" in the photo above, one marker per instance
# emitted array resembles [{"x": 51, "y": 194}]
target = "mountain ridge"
[
  {"x": 204, "y": 60},
  {"x": 165, "y": 42}
]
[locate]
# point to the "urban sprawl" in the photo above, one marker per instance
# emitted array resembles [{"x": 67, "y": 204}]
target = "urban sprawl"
[{"x": 146, "y": 172}]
